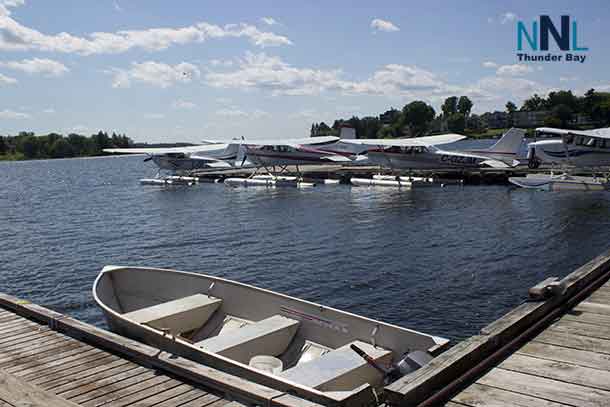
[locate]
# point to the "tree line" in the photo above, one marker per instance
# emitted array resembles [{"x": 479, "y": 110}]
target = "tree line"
[
  {"x": 419, "y": 118},
  {"x": 26, "y": 145}
]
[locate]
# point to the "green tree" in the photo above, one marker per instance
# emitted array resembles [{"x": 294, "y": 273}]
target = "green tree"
[
  {"x": 27, "y": 144},
  {"x": 456, "y": 123},
  {"x": 464, "y": 106},
  {"x": 417, "y": 115},
  {"x": 534, "y": 103},
  {"x": 564, "y": 114},
  {"x": 562, "y": 97},
  {"x": 61, "y": 149},
  {"x": 3, "y": 146},
  {"x": 510, "y": 107},
  {"x": 449, "y": 107}
]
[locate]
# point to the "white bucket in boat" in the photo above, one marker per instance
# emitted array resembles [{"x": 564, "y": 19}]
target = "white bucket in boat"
[{"x": 267, "y": 364}]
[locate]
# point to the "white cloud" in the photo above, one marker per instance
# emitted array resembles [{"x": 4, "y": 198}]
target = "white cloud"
[
  {"x": 154, "y": 73},
  {"x": 219, "y": 62},
  {"x": 154, "y": 116},
  {"x": 116, "y": 6},
  {"x": 46, "y": 67},
  {"x": 49, "y": 110},
  {"x": 568, "y": 78},
  {"x": 17, "y": 37},
  {"x": 490, "y": 64},
  {"x": 269, "y": 20},
  {"x": 80, "y": 128},
  {"x": 183, "y": 104},
  {"x": 11, "y": 114},
  {"x": 273, "y": 74},
  {"x": 5, "y": 5},
  {"x": 238, "y": 113},
  {"x": 514, "y": 70},
  {"x": 507, "y": 17},
  {"x": 7, "y": 80},
  {"x": 383, "y": 25}
]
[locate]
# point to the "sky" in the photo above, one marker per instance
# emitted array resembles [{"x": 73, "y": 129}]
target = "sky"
[{"x": 194, "y": 70}]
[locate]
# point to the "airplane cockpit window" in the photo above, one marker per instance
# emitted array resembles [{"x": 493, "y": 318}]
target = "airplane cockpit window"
[
  {"x": 602, "y": 143},
  {"x": 590, "y": 142},
  {"x": 579, "y": 140}
]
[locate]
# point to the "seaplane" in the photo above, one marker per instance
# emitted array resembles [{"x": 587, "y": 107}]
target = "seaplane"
[
  {"x": 422, "y": 153},
  {"x": 273, "y": 154},
  {"x": 583, "y": 150}
]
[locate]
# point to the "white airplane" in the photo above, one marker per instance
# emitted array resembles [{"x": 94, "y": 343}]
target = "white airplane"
[
  {"x": 238, "y": 153},
  {"x": 186, "y": 159},
  {"x": 578, "y": 148},
  {"x": 422, "y": 153}
]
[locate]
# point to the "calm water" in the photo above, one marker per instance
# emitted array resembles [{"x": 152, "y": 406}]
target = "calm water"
[{"x": 445, "y": 261}]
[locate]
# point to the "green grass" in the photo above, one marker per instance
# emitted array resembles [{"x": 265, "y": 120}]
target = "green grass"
[{"x": 12, "y": 157}]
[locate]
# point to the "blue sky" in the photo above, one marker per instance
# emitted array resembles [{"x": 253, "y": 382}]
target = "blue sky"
[{"x": 192, "y": 70}]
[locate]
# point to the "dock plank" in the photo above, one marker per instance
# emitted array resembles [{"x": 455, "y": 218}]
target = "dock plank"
[
  {"x": 593, "y": 307},
  {"x": 84, "y": 365},
  {"x": 25, "y": 332},
  {"x": 587, "y": 318},
  {"x": 182, "y": 399},
  {"x": 60, "y": 355},
  {"x": 162, "y": 396},
  {"x": 145, "y": 393},
  {"x": 479, "y": 395},
  {"x": 34, "y": 352},
  {"x": 66, "y": 383},
  {"x": 23, "y": 337},
  {"x": 574, "y": 341},
  {"x": 90, "y": 388},
  {"x": 560, "y": 354},
  {"x": 544, "y": 388},
  {"x": 561, "y": 371},
  {"x": 117, "y": 393},
  {"x": 20, "y": 393},
  {"x": 579, "y": 328}
]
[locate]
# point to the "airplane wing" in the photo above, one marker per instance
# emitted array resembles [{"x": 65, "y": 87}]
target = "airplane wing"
[
  {"x": 409, "y": 142},
  {"x": 600, "y": 133},
  {"x": 336, "y": 158},
  {"x": 162, "y": 150},
  {"x": 296, "y": 142}
]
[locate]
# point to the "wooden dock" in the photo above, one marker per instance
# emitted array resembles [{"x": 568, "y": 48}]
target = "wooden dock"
[{"x": 552, "y": 352}]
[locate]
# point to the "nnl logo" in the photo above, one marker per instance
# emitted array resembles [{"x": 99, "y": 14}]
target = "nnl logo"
[{"x": 562, "y": 39}]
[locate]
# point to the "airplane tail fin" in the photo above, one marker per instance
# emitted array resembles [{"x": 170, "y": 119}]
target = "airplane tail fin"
[
  {"x": 509, "y": 143},
  {"x": 347, "y": 132}
]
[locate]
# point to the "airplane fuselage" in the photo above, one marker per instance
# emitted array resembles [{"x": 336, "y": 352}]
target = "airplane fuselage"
[
  {"x": 588, "y": 153},
  {"x": 423, "y": 158},
  {"x": 269, "y": 155}
]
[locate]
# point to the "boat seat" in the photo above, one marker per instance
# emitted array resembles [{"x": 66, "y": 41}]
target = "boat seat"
[
  {"x": 271, "y": 336},
  {"x": 181, "y": 315},
  {"x": 341, "y": 369}
]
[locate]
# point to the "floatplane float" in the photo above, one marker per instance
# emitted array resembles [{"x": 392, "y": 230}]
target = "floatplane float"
[
  {"x": 317, "y": 352},
  {"x": 575, "y": 150}
]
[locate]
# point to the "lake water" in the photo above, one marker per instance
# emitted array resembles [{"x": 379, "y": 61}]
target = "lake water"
[{"x": 445, "y": 261}]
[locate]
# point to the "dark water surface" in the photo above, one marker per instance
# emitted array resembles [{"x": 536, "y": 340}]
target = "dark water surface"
[{"x": 445, "y": 261}]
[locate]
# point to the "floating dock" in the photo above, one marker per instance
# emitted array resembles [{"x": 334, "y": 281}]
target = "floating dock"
[{"x": 553, "y": 350}]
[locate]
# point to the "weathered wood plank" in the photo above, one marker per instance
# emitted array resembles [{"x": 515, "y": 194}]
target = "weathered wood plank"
[
  {"x": 478, "y": 395},
  {"x": 587, "y": 318},
  {"x": 65, "y": 358},
  {"x": 146, "y": 392},
  {"x": 206, "y": 401},
  {"x": 565, "y": 372},
  {"x": 41, "y": 359},
  {"x": 13, "y": 356},
  {"x": 600, "y": 297},
  {"x": 80, "y": 389},
  {"x": 181, "y": 400},
  {"x": 568, "y": 340},
  {"x": 548, "y": 389},
  {"x": 593, "y": 307},
  {"x": 21, "y": 336},
  {"x": 124, "y": 391},
  {"x": 163, "y": 396},
  {"x": 578, "y": 328},
  {"x": 20, "y": 393},
  {"x": 64, "y": 382},
  {"x": 560, "y": 354},
  {"x": 82, "y": 364},
  {"x": 5, "y": 404}
]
